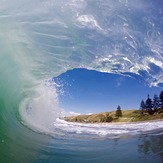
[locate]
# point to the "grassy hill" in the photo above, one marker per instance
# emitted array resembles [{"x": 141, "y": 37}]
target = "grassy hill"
[{"x": 103, "y": 117}]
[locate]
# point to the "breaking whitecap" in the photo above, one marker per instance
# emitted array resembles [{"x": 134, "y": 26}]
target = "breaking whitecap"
[{"x": 111, "y": 130}]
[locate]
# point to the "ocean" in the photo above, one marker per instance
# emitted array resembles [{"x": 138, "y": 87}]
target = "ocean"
[{"x": 42, "y": 39}]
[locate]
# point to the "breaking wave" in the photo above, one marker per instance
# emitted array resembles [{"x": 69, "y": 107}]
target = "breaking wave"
[
  {"x": 109, "y": 130},
  {"x": 42, "y": 39}
]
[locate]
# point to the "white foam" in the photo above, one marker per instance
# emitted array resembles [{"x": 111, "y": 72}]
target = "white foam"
[
  {"x": 108, "y": 129},
  {"x": 88, "y": 21},
  {"x": 40, "y": 112}
]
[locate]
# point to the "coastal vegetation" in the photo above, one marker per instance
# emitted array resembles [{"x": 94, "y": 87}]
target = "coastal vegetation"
[
  {"x": 149, "y": 110},
  {"x": 152, "y": 106}
]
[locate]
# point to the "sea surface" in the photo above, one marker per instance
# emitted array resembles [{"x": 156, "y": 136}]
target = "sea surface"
[{"x": 42, "y": 39}]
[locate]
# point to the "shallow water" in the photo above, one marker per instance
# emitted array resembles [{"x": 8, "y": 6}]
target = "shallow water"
[{"x": 82, "y": 148}]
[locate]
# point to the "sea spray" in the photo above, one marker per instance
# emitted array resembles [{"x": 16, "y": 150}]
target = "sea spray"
[{"x": 41, "y": 111}]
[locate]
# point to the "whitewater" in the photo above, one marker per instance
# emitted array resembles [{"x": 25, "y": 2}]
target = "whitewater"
[{"x": 40, "y": 40}]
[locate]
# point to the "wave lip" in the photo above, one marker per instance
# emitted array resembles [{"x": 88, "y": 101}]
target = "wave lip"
[{"x": 40, "y": 112}]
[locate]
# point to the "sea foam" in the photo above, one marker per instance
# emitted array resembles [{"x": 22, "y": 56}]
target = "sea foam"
[{"x": 108, "y": 130}]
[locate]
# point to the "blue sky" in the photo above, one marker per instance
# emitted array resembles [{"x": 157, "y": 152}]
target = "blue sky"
[{"x": 86, "y": 91}]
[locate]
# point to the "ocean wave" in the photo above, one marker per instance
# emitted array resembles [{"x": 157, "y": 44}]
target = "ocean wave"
[
  {"x": 109, "y": 130},
  {"x": 43, "y": 39}
]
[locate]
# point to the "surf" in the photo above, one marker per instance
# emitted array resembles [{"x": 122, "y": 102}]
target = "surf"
[{"x": 43, "y": 39}]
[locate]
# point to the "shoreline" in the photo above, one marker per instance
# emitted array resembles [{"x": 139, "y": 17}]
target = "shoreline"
[
  {"x": 145, "y": 121},
  {"x": 128, "y": 116},
  {"x": 116, "y": 123}
]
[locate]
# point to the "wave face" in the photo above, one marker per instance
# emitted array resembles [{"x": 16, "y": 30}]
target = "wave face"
[{"x": 41, "y": 39}]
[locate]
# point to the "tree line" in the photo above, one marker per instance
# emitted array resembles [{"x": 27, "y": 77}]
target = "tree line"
[{"x": 152, "y": 106}]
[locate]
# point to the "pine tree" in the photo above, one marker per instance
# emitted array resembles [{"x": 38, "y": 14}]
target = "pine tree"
[
  {"x": 156, "y": 103},
  {"x": 118, "y": 112},
  {"x": 161, "y": 99},
  {"x": 142, "y": 106},
  {"x": 149, "y": 105}
]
